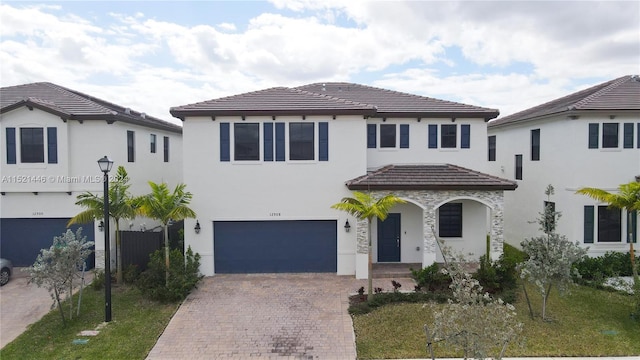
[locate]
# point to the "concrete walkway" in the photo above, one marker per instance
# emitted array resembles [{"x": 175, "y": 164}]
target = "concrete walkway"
[
  {"x": 264, "y": 316},
  {"x": 22, "y": 304}
]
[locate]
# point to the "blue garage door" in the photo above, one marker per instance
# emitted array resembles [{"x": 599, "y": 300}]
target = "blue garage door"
[
  {"x": 275, "y": 246},
  {"x": 22, "y": 239}
]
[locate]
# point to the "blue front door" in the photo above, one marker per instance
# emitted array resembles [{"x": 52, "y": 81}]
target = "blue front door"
[{"x": 389, "y": 239}]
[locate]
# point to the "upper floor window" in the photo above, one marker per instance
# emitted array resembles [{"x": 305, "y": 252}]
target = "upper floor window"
[
  {"x": 153, "y": 143},
  {"x": 387, "y": 136},
  {"x": 449, "y": 136},
  {"x": 131, "y": 146},
  {"x": 535, "y": 145},
  {"x": 32, "y": 145},
  {"x": 518, "y": 174},
  {"x": 301, "y": 141},
  {"x": 628, "y": 136},
  {"x": 166, "y": 149},
  {"x": 246, "y": 140},
  {"x": 610, "y": 135},
  {"x": 492, "y": 148}
]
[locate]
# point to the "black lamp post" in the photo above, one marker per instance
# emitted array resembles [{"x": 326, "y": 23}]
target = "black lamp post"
[{"x": 105, "y": 166}]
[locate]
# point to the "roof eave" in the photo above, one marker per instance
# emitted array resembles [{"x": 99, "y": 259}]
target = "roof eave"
[
  {"x": 486, "y": 115},
  {"x": 183, "y": 113},
  {"x": 111, "y": 118},
  {"x": 505, "y": 187},
  {"x": 30, "y": 104}
]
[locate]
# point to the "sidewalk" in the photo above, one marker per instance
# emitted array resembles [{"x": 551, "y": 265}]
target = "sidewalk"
[{"x": 22, "y": 304}]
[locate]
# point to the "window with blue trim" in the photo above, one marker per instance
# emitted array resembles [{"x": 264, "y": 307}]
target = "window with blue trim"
[
  {"x": 387, "y": 136},
  {"x": 301, "y": 141},
  {"x": 31, "y": 145},
  {"x": 246, "y": 141}
]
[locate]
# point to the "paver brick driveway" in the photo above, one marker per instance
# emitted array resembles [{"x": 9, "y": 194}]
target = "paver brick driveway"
[{"x": 296, "y": 316}]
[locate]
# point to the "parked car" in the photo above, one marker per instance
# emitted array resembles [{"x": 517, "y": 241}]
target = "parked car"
[{"x": 6, "y": 269}]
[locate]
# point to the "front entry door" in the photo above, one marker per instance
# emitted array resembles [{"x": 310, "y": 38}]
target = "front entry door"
[{"x": 389, "y": 239}]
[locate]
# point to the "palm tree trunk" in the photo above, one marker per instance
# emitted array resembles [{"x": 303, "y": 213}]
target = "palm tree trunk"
[
  {"x": 370, "y": 263},
  {"x": 632, "y": 254},
  {"x": 166, "y": 255},
  {"x": 118, "y": 254}
]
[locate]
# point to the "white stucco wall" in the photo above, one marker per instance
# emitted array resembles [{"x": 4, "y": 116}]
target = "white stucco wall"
[
  {"x": 80, "y": 145},
  {"x": 271, "y": 190},
  {"x": 568, "y": 164}
]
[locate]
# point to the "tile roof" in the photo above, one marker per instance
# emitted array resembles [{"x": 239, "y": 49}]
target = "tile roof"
[
  {"x": 74, "y": 105},
  {"x": 274, "y": 101},
  {"x": 332, "y": 99},
  {"x": 394, "y": 103},
  {"x": 429, "y": 177},
  {"x": 619, "y": 94}
]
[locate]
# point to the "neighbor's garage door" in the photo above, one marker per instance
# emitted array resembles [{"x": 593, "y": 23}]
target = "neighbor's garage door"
[
  {"x": 275, "y": 246},
  {"x": 22, "y": 239}
]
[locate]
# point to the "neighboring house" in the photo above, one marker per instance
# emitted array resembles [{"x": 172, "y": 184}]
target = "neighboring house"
[
  {"x": 51, "y": 139},
  {"x": 266, "y": 166},
  {"x": 590, "y": 138}
]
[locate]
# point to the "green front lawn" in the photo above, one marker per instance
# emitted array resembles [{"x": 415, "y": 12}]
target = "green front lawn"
[
  {"x": 135, "y": 327},
  {"x": 587, "y": 322}
]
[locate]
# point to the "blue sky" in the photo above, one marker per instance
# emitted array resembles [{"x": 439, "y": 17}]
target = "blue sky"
[{"x": 151, "y": 55}]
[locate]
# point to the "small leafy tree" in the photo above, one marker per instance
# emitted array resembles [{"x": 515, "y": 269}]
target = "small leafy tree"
[
  {"x": 473, "y": 321},
  {"x": 165, "y": 206},
  {"x": 551, "y": 256},
  {"x": 365, "y": 206},
  {"x": 56, "y": 267},
  {"x": 121, "y": 206}
]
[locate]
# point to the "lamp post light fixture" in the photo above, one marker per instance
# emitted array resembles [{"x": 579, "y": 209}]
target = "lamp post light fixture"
[
  {"x": 347, "y": 226},
  {"x": 197, "y": 228},
  {"x": 105, "y": 165},
  {"x": 101, "y": 226}
]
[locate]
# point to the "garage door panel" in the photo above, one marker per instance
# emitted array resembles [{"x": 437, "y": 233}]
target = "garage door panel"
[
  {"x": 275, "y": 246},
  {"x": 21, "y": 239}
]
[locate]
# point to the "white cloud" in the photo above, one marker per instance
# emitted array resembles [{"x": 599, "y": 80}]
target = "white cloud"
[{"x": 150, "y": 64}]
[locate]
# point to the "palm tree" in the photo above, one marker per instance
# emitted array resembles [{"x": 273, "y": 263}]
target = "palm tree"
[
  {"x": 164, "y": 206},
  {"x": 121, "y": 206},
  {"x": 628, "y": 198},
  {"x": 364, "y": 206}
]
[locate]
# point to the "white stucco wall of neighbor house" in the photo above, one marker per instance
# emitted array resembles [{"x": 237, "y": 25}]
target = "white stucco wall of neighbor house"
[
  {"x": 271, "y": 190},
  {"x": 568, "y": 164},
  {"x": 79, "y": 146},
  {"x": 419, "y": 152}
]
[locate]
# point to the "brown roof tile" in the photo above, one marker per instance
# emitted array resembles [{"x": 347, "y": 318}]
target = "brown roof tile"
[
  {"x": 619, "y": 94},
  {"x": 74, "y": 105},
  {"x": 391, "y": 103},
  {"x": 332, "y": 99},
  {"x": 274, "y": 101},
  {"x": 429, "y": 177}
]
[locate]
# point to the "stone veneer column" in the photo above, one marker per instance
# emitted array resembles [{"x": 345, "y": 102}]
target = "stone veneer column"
[
  {"x": 497, "y": 228},
  {"x": 362, "y": 249}
]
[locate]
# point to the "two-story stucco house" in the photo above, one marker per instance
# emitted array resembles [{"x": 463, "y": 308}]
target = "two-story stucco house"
[
  {"x": 51, "y": 139},
  {"x": 265, "y": 167},
  {"x": 590, "y": 138}
]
